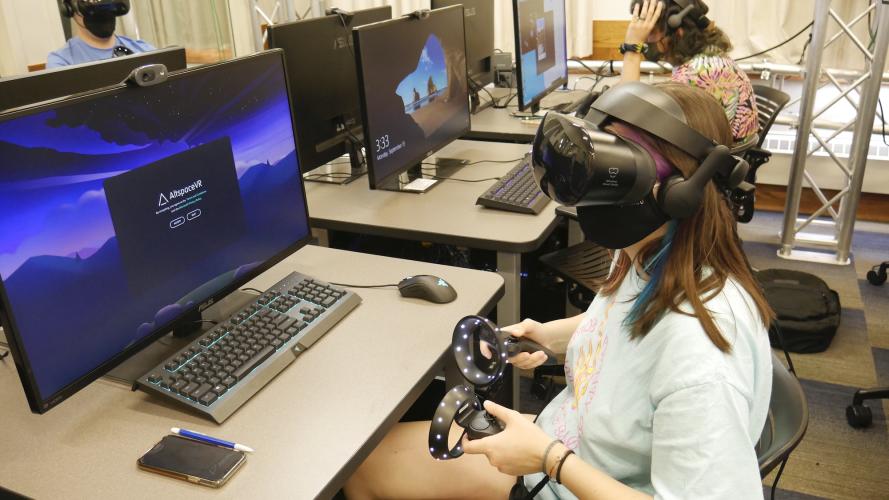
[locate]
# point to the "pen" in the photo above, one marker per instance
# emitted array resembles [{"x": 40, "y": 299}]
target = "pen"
[{"x": 211, "y": 440}]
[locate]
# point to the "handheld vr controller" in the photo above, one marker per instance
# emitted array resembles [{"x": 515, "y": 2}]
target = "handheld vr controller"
[{"x": 481, "y": 350}]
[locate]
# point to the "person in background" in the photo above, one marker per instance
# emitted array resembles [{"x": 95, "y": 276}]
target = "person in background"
[
  {"x": 95, "y": 39},
  {"x": 679, "y": 32}
]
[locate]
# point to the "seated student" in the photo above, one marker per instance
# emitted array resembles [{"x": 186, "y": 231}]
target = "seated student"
[
  {"x": 668, "y": 372},
  {"x": 95, "y": 39},
  {"x": 698, "y": 51}
]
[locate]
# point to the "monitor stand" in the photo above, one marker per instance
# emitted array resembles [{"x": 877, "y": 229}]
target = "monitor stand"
[
  {"x": 533, "y": 114},
  {"x": 140, "y": 363},
  {"x": 423, "y": 177},
  {"x": 341, "y": 172}
]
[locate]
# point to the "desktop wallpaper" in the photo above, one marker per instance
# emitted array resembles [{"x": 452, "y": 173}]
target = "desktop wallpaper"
[
  {"x": 120, "y": 211},
  {"x": 415, "y": 86},
  {"x": 541, "y": 45}
]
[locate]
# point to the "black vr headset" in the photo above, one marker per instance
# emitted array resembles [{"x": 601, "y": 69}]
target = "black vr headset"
[
  {"x": 577, "y": 163},
  {"x": 95, "y": 8},
  {"x": 679, "y": 13}
]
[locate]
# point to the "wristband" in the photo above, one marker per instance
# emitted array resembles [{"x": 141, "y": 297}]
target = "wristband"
[
  {"x": 546, "y": 454},
  {"x": 561, "y": 463},
  {"x": 635, "y": 48}
]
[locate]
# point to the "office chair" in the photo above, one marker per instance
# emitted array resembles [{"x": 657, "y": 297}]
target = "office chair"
[
  {"x": 858, "y": 415},
  {"x": 786, "y": 424},
  {"x": 769, "y": 103}
]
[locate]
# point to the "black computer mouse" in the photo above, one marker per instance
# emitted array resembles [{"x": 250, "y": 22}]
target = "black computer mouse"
[{"x": 427, "y": 287}]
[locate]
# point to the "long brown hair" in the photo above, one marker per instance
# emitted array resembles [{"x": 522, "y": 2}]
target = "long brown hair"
[
  {"x": 705, "y": 251},
  {"x": 686, "y": 43}
]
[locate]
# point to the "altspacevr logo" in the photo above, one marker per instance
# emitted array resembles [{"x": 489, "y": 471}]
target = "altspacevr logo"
[{"x": 178, "y": 193}]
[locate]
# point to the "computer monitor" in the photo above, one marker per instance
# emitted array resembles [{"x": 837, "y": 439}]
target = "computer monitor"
[
  {"x": 541, "y": 50},
  {"x": 125, "y": 211},
  {"x": 414, "y": 93},
  {"x": 479, "y": 21},
  {"x": 23, "y": 90},
  {"x": 324, "y": 86}
]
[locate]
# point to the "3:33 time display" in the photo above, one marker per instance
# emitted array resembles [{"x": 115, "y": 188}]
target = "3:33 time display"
[{"x": 382, "y": 143}]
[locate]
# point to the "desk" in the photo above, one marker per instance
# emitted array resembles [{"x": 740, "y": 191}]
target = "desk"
[
  {"x": 447, "y": 214},
  {"x": 498, "y": 125},
  {"x": 311, "y": 427}
]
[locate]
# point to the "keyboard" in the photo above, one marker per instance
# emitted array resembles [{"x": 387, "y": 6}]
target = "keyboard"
[
  {"x": 516, "y": 191},
  {"x": 224, "y": 367}
]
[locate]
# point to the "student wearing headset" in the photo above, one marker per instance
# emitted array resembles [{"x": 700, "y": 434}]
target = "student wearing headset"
[
  {"x": 669, "y": 371},
  {"x": 96, "y": 21},
  {"x": 679, "y": 32}
]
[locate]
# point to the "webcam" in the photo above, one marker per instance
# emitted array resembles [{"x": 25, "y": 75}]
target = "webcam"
[
  {"x": 420, "y": 14},
  {"x": 146, "y": 76}
]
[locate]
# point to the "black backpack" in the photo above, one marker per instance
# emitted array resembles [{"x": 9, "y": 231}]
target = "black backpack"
[{"x": 808, "y": 311}]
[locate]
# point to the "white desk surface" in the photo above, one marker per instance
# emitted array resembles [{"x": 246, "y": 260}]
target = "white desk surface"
[
  {"x": 311, "y": 426},
  {"x": 445, "y": 214}
]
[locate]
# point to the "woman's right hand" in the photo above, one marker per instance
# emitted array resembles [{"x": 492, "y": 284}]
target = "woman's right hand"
[
  {"x": 644, "y": 20},
  {"x": 531, "y": 330}
]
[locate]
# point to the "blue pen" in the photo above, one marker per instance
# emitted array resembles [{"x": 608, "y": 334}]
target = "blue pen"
[{"x": 211, "y": 440}]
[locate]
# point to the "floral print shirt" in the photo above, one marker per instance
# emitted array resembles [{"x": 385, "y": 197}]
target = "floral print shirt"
[{"x": 721, "y": 77}]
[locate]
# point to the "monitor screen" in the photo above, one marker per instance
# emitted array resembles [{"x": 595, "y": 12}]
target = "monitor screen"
[
  {"x": 23, "y": 90},
  {"x": 479, "y": 20},
  {"x": 413, "y": 87},
  {"x": 323, "y": 81},
  {"x": 541, "y": 58},
  {"x": 124, "y": 210}
]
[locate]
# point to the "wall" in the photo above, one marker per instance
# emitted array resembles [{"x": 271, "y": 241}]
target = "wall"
[{"x": 29, "y": 30}]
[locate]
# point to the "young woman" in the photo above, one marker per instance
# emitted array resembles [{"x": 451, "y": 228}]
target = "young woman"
[
  {"x": 668, "y": 372},
  {"x": 699, "y": 55}
]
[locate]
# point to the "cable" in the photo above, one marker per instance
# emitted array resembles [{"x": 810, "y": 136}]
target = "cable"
[
  {"x": 463, "y": 180},
  {"x": 785, "y": 42},
  {"x": 208, "y": 321},
  {"x": 260, "y": 292},
  {"x": 778, "y": 476},
  {"x": 882, "y": 119},
  {"x": 363, "y": 286},
  {"x": 4, "y": 353}
]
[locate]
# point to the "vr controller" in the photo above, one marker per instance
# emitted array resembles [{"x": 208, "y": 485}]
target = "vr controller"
[{"x": 481, "y": 350}]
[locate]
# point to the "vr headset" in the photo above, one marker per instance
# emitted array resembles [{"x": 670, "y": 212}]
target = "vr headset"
[
  {"x": 96, "y": 8},
  {"x": 577, "y": 163},
  {"x": 680, "y": 13}
]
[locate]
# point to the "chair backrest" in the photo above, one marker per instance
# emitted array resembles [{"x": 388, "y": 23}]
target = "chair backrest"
[
  {"x": 769, "y": 102},
  {"x": 787, "y": 421}
]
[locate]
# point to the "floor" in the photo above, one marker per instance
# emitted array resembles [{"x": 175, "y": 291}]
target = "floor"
[{"x": 834, "y": 460}]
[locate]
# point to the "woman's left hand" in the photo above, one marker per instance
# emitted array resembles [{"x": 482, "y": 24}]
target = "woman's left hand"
[{"x": 516, "y": 451}]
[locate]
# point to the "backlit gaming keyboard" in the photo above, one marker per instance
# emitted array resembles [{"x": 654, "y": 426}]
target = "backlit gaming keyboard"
[
  {"x": 228, "y": 364},
  {"x": 516, "y": 191}
]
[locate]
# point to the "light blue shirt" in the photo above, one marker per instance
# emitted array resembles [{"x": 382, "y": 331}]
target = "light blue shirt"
[
  {"x": 76, "y": 51},
  {"x": 668, "y": 414}
]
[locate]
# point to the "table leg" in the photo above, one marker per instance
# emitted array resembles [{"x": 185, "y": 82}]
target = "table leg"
[
  {"x": 322, "y": 235},
  {"x": 509, "y": 308}
]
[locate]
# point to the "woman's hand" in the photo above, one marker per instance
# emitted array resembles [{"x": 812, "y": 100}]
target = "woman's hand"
[
  {"x": 531, "y": 330},
  {"x": 518, "y": 450},
  {"x": 645, "y": 17}
]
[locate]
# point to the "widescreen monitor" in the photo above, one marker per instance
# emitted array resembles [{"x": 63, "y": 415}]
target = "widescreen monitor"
[
  {"x": 413, "y": 87},
  {"x": 124, "y": 211},
  {"x": 31, "y": 88},
  {"x": 479, "y": 22},
  {"x": 541, "y": 49},
  {"x": 324, "y": 86}
]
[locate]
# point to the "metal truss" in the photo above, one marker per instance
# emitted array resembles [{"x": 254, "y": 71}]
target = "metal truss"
[{"x": 832, "y": 224}]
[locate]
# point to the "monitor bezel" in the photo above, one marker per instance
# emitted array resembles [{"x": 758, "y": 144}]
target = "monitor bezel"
[
  {"x": 559, "y": 82},
  {"x": 377, "y": 183},
  {"x": 339, "y": 149},
  {"x": 145, "y": 57},
  {"x": 40, "y": 403}
]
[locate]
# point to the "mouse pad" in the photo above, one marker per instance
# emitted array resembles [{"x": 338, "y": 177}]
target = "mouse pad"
[{"x": 170, "y": 214}]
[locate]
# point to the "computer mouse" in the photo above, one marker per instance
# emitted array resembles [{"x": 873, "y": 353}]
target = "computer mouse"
[{"x": 427, "y": 287}]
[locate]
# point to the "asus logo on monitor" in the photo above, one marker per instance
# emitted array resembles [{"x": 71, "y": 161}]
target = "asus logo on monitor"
[
  {"x": 342, "y": 42},
  {"x": 469, "y": 12}
]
